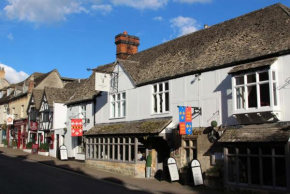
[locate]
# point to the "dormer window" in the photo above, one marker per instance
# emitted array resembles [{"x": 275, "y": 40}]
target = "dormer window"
[
  {"x": 8, "y": 91},
  {"x": 255, "y": 90},
  {"x": 1, "y": 94}
]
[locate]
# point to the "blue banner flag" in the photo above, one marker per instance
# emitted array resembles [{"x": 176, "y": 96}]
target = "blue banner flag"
[
  {"x": 188, "y": 128},
  {"x": 181, "y": 114},
  {"x": 182, "y": 127}
]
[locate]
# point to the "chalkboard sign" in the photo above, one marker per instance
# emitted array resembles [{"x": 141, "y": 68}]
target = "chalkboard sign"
[
  {"x": 34, "y": 149},
  {"x": 63, "y": 152},
  {"x": 172, "y": 168},
  {"x": 196, "y": 172}
]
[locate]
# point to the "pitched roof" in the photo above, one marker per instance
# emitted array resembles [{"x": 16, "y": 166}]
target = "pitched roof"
[
  {"x": 75, "y": 84},
  {"x": 253, "y": 65},
  {"x": 148, "y": 126},
  {"x": 58, "y": 95},
  {"x": 108, "y": 68},
  {"x": 274, "y": 132},
  {"x": 37, "y": 96},
  {"x": 256, "y": 35},
  {"x": 84, "y": 92}
]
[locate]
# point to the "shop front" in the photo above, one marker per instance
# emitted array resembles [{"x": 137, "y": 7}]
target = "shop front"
[
  {"x": 20, "y": 133},
  {"x": 256, "y": 157},
  {"x": 123, "y": 147}
]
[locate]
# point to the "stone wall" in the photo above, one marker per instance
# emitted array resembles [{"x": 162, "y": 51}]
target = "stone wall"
[{"x": 128, "y": 169}]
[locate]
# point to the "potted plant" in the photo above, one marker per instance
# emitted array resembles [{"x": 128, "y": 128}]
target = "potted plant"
[
  {"x": 44, "y": 149},
  {"x": 148, "y": 166},
  {"x": 28, "y": 147},
  {"x": 4, "y": 142},
  {"x": 14, "y": 144}
]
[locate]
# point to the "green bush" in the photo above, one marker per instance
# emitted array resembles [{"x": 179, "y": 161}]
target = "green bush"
[
  {"x": 29, "y": 145},
  {"x": 44, "y": 147},
  {"x": 149, "y": 160},
  {"x": 4, "y": 141}
]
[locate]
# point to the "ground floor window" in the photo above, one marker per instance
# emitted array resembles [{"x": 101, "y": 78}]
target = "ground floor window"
[
  {"x": 123, "y": 149},
  {"x": 259, "y": 165},
  {"x": 80, "y": 143},
  {"x": 189, "y": 146}
]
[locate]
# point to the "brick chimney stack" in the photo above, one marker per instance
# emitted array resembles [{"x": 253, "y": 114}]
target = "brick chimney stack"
[
  {"x": 31, "y": 84},
  {"x": 126, "y": 45},
  {"x": 2, "y": 73}
]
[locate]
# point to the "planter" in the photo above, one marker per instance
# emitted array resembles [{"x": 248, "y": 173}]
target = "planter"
[
  {"x": 1, "y": 145},
  {"x": 148, "y": 172},
  {"x": 14, "y": 147},
  {"x": 212, "y": 174},
  {"x": 27, "y": 150},
  {"x": 43, "y": 153}
]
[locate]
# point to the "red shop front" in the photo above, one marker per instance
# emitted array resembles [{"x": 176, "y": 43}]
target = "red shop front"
[{"x": 20, "y": 129}]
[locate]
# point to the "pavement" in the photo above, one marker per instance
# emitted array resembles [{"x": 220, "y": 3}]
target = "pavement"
[{"x": 152, "y": 185}]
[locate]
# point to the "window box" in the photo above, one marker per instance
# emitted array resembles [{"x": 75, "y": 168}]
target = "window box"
[{"x": 255, "y": 92}]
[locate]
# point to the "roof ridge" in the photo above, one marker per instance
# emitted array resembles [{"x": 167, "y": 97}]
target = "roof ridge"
[
  {"x": 284, "y": 8},
  {"x": 218, "y": 24}
]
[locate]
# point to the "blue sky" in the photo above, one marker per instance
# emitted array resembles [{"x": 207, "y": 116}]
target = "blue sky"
[{"x": 73, "y": 35}]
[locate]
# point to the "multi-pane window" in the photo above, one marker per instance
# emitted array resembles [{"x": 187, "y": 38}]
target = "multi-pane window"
[
  {"x": 118, "y": 105},
  {"x": 112, "y": 148},
  {"x": 189, "y": 146},
  {"x": 45, "y": 116},
  {"x": 81, "y": 147},
  {"x": 83, "y": 110},
  {"x": 160, "y": 97},
  {"x": 255, "y": 90},
  {"x": 33, "y": 114},
  {"x": 257, "y": 166}
]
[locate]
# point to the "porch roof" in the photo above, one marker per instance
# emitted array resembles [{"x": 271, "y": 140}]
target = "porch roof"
[
  {"x": 147, "y": 126},
  {"x": 273, "y": 132}
]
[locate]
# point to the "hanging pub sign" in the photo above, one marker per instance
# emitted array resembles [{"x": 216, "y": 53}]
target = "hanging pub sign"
[
  {"x": 172, "y": 168},
  {"x": 102, "y": 81},
  {"x": 76, "y": 127},
  {"x": 33, "y": 125},
  {"x": 185, "y": 121},
  {"x": 196, "y": 172},
  {"x": 9, "y": 120}
]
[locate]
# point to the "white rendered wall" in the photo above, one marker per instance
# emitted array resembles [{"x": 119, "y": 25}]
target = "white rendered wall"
[
  {"x": 211, "y": 91},
  {"x": 73, "y": 112}
]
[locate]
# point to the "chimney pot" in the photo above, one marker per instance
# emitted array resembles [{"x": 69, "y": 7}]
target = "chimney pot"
[{"x": 126, "y": 45}]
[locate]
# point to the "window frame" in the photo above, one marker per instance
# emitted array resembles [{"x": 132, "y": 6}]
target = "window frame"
[
  {"x": 114, "y": 112},
  {"x": 272, "y": 95},
  {"x": 96, "y": 145},
  {"x": 157, "y": 93}
]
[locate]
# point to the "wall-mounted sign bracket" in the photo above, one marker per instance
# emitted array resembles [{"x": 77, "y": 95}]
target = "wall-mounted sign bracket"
[
  {"x": 196, "y": 110},
  {"x": 114, "y": 82}
]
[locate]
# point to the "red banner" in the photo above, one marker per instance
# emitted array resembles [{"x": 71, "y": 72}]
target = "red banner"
[
  {"x": 33, "y": 126},
  {"x": 76, "y": 127}
]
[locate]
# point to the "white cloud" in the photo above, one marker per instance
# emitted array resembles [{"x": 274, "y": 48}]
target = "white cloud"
[
  {"x": 158, "y": 18},
  {"x": 42, "y": 11},
  {"x": 10, "y": 36},
  {"x": 104, "y": 9},
  {"x": 184, "y": 25},
  {"x": 12, "y": 75},
  {"x": 193, "y": 1},
  {"x": 141, "y": 4}
]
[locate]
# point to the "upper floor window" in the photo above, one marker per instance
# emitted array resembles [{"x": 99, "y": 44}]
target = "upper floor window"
[
  {"x": 83, "y": 110},
  {"x": 255, "y": 90},
  {"x": 45, "y": 116},
  {"x": 33, "y": 114},
  {"x": 160, "y": 97},
  {"x": 1, "y": 94},
  {"x": 22, "y": 111},
  {"x": 118, "y": 105}
]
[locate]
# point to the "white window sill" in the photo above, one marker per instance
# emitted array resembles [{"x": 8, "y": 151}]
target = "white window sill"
[
  {"x": 157, "y": 114},
  {"x": 256, "y": 110},
  {"x": 117, "y": 118}
]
